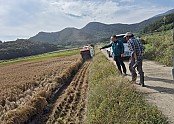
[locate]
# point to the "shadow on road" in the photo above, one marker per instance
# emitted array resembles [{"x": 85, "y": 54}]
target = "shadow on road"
[
  {"x": 161, "y": 89},
  {"x": 159, "y": 79}
]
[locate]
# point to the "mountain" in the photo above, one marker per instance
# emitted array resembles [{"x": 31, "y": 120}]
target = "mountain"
[
  {"x": 67, "y": 36},
  {"x": 101, "y": 30},
  {"x": 166, "y": 13},
  {"x": 93, "y": 32}
]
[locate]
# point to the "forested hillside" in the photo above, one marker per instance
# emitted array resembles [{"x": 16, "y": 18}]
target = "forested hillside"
[
  {"x": 158, "y": 38},
  {"x": 165, "y": 23},
  {"x": 22, "y": 48}
]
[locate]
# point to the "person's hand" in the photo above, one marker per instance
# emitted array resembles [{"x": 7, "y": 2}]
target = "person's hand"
[{"x": 122, "y": 55}]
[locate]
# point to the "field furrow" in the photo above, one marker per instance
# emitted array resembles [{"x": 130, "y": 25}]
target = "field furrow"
[{"x": 70, "y": 106}]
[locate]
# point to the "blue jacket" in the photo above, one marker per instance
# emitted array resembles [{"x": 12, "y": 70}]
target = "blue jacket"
[{"x": 117, "y": 47}]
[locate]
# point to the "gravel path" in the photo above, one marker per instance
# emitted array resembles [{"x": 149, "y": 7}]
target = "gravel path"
[{"x": 159, "y": 88}]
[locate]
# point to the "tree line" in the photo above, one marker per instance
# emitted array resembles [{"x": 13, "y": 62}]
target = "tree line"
[
  {"x": 165, "y": 23},
  {"x": 23, "y": 48}
]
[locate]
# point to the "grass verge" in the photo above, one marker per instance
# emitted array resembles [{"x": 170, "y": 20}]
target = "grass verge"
[
  {"x": 113, "y": 100},
  {"x": 41, "y": 57}
]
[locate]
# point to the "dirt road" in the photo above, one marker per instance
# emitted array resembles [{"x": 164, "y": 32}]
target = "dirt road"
[{"x": 159, "y": 88}]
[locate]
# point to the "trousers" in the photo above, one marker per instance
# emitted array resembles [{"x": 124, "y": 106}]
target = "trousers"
[
  {"x": 120, "y": 63},
  {"x": 139, "y": 69}
]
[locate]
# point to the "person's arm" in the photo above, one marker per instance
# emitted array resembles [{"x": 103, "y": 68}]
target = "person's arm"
[
  {"x": 107, "y": 46},
  {"x": 122, "y": 48}
]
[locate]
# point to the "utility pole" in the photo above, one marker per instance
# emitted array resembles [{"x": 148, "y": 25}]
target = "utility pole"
[
  {"x": 164, "y": 23},
  {"x": 173, "y": 52}
]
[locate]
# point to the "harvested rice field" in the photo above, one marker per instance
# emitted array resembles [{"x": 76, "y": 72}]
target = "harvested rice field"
[{"x": 31, "y": 88}]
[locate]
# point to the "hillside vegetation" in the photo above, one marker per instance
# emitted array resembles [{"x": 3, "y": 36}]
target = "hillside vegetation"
[
  {"x": 113, "y": 100},
  {"x": 41, "y": 57},
  {"x": 23, "y": 48},
  {"x": 159, "y": 47},
  {"x": 165, "y": 23}
]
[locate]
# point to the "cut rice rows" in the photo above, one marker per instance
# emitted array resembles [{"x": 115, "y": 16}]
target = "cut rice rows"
[
  {"x": 70, "y": 107},
  {"x": 27, "y": 88}
]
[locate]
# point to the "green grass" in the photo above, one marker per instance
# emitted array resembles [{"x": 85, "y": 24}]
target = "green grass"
[
  {"x": 113, "y": 100},
  {"x": 159, "y": 47},
  {"x": 41, "y": 57}
]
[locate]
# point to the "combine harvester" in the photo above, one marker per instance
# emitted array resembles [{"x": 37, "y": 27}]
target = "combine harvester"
[{"x": 87, "y": 52}]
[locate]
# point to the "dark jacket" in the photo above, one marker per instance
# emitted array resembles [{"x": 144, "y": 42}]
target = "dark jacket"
[{"x": 117, "y": 47}]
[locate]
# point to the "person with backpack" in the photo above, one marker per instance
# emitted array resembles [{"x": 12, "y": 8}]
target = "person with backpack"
[
  {"x": 118, "y": 53},
  {"x": 136, "y": 48}
]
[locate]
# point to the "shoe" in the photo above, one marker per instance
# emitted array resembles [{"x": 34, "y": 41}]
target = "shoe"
[{"x": 142, "y": 85}]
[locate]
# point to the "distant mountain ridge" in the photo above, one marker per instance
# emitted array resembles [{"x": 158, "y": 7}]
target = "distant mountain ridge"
[
  {"x": 93, "y": 32},
  {"x": 166, "y": 13}
]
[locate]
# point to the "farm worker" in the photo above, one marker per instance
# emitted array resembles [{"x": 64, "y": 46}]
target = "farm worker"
[
  {"x": 118, "y": 52},
  {"x": 92, "y": 51},
  {"x": 136, "y": 48}
]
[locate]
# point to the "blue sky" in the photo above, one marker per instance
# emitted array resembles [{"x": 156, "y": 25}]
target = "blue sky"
[{"x": 25, "y": 18}]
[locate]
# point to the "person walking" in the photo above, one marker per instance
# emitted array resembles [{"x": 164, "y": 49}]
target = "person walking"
[
  {"x": 118, "y": 52},
  {"x": 136, "y": 48}
]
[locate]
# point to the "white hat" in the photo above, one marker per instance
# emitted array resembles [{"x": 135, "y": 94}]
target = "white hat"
[{"x": 128, "y": 34}]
